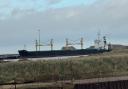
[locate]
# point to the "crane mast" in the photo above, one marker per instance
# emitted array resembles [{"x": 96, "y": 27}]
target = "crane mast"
[
  {"x": 47, "y": 44},
  {"x": 75, "y": 43}
]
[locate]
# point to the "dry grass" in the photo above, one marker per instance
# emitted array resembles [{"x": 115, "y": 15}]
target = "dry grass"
[{"x": 114, "y": 63}]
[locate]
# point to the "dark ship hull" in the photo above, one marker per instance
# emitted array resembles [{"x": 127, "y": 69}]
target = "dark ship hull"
[
  {"x": 9, "y": 56},
  {"x": 59, "y": 53}
]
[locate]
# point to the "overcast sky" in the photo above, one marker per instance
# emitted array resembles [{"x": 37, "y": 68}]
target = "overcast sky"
[{"x": 60, "y": 19}]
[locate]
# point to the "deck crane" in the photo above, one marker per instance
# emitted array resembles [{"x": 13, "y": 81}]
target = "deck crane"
[
  {"x": 75, "y": 43},
  {"x": 38, "y": 45}
]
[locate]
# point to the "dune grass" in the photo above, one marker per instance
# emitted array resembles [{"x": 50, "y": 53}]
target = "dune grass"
[{"x": 110, "y": 64}]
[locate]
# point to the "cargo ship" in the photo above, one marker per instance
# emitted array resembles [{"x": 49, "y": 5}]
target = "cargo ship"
[
  {"x": 59, "y": 53},
  {"x": 100, "y": 46}
]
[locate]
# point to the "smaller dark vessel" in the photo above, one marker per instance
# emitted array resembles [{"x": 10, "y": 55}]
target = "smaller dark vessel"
[{"x": 9, "y": 56}]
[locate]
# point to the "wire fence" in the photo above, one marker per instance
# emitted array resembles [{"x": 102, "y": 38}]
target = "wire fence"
[{"x": 62, "y": 79}]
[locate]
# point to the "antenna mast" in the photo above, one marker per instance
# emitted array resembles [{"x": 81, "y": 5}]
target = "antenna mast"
[
  {"x": 67, "y": 43},
  {"x": 105, "y": 41},
  {"x": 51, "y": 44},
  {"x": 99, "y": 34},
  {"x": 39, "y": 39},
  {"x": 24, "y": 47},
  {"x": 82, "y": 43},
  {"x": 36, "y": 45}
]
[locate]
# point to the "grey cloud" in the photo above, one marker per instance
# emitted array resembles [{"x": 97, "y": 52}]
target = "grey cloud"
[
  {"x": 110, "y": 17},
  {"x": 21, "y": 12},
  {"x": 53, "y": 1}
]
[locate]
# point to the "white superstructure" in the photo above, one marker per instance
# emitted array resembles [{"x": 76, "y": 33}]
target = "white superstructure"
[{"x": 101, "y": 43}]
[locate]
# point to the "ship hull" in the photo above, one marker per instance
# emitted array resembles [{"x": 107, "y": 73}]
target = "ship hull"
[{"x": 57, "y": 53}]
